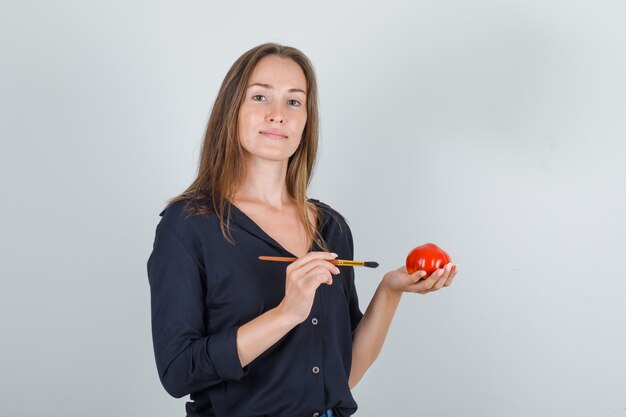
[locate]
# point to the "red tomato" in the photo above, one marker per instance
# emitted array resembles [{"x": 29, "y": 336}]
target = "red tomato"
[{"x": 428, "y": 257}]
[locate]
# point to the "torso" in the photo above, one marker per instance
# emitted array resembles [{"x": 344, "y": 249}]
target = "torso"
[
  {"x": 284, "y": 226},
  {"x": 235, "y": 287}
]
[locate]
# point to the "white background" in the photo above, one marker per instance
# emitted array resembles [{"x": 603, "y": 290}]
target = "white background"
[{"x": 495, "y": 129}]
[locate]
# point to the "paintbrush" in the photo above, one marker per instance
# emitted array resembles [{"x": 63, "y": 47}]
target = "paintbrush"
[{"x": 337, "y": 262}]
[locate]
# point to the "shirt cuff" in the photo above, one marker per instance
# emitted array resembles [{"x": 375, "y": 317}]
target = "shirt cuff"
[{"x": 222, "y": 350}]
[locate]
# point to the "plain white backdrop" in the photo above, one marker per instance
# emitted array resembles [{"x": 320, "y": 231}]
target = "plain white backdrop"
[{"x": 495, "y": 129}]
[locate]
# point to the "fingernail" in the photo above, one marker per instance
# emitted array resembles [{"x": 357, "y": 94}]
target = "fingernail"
[
  {"x": 423, "y": 274},
  {"x": 440, "y": 272},
  {"x": 334, "y": 254},
  {"x": 448, "y": 267}
]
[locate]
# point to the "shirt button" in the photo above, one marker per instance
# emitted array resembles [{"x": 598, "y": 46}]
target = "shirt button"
[
  {"x": 314, "y": 321},
  {"x": 316, "y": 370},
  {"x": 316, "y": 414}
]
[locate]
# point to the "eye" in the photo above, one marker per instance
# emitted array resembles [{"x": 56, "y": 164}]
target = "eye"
[
  {"x": 258, "y": 97},
  {"x": 294, "y": 103}
]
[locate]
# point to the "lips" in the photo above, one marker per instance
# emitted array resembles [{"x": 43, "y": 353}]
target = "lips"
[{"x": 273, "y": 133}]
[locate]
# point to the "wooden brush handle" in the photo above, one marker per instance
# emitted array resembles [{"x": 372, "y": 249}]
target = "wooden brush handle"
[
  {"x": 337, "y": 262},
  {"x": 277, "y": 258}
]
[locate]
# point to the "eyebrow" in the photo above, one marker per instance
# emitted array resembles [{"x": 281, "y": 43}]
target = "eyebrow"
[{"x": 291, "y": 90}]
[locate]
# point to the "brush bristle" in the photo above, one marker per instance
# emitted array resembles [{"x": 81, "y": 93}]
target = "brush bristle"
[{"x": 371, "y": 264}]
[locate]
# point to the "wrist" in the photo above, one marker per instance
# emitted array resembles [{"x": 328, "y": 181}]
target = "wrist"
[
  {"x": 387, "y": 288},
  {"x": 285, "y": 318}
]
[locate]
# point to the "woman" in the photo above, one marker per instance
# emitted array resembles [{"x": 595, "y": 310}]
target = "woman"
[{"x": 250, "y": 338}]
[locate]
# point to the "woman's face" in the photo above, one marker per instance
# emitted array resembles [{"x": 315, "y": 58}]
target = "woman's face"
[{"x": 273, "y": 113}]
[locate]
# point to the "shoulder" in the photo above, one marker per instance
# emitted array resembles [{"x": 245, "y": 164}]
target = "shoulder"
[
  {"x": 174, "y": 213},
  {"x": 331, "y": 218},
  {"x": 183, "y": 218},
  {"x": 335, "y": 230}
]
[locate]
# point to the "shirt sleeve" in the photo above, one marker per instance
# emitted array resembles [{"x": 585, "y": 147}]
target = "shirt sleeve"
[
  {"x": 353, "y": 301},
  {"x": 188, "y": 360}
]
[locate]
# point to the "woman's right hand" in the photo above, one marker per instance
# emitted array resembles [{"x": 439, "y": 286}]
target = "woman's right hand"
[{"x": 304, "y": 276}]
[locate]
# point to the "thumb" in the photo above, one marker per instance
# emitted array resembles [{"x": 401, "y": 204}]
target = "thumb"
[{"x": 416, "y": 276}]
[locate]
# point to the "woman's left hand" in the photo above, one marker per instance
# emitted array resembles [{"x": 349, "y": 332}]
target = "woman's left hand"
[{"x": 400, "y": 281}]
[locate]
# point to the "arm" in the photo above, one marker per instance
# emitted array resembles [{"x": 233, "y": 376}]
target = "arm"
[
  {"x": 188, "y": 360},
  {"x": 370, "y": 334},
  {"x": 304, "y": 276}
]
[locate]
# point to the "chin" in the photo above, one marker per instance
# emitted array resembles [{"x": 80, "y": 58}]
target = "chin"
[{"x": 271, "y": 156}]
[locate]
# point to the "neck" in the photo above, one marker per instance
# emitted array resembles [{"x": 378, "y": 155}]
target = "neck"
[{"x": 265, "y": 182}]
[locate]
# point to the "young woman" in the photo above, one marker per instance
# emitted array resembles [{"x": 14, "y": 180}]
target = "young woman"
[{"x": 247, "y": 338}]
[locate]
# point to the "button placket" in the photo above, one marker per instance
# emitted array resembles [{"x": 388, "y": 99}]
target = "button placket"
[{"x": 316, "y": 355}]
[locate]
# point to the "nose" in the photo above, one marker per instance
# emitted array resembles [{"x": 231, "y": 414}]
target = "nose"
[{"x": 275, "y": 115}]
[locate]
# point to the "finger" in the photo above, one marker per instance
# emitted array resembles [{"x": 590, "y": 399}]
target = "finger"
[
  {"x": 317, "y": 263},
  {"x": 421, "y": 287},
  {"x": 455, "y": 269},
  {"x": 312, "y": 256},
  {"x": 416, "y": 277},
  {"x": 443, "y": 278},
  {"x": 421, "y": 290},
  {"x": 304, "y": 265},
  {"x": 429, "y": 282},
  {"x": 309, "y": 261},
  {"x": 319, "y": 276},
  {"x": 427, "y": 285},
  {"x": 309, "y": 283}
]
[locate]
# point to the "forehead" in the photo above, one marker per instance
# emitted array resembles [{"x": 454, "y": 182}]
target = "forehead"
[{"x": 279, "y": 72}]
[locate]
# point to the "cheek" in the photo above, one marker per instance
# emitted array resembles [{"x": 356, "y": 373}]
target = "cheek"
[
  {"x": 243, "y": 121},
  {"x": 301, "y": 122},
  {"x": 247, "y": 124}
]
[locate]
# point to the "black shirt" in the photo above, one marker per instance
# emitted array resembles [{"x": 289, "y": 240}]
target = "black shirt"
[{"x": 203, "y": 288}]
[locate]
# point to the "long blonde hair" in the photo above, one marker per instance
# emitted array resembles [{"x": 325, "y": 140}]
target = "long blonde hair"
[{"x": 222, "y": 166}]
